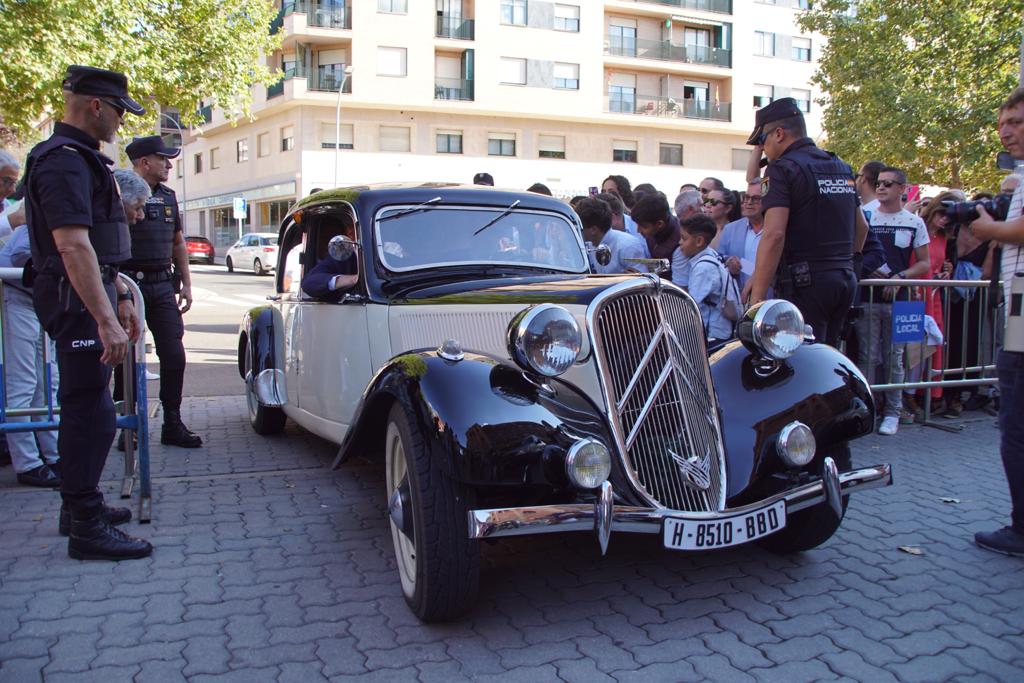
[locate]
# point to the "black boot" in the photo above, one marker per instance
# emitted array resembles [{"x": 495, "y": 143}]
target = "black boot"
[
  {"x": 175, "y": 433},
  {"x": 112, "y": 516},
  {"x": 93, "y": 539}
]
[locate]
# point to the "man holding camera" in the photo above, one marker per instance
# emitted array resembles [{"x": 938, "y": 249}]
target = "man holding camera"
[{"x": 1010, "y": 539}]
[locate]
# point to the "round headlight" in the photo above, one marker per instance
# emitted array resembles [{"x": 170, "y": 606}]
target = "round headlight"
[
  {"x": 774, "y": 328},
  {"x": 588, "y": 464},
  {"x": 545, "y": 339},
  {"x": 796, "y": 444}
]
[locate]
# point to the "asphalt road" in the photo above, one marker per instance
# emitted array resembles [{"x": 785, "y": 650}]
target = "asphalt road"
[{"x": 211, "y": 329}]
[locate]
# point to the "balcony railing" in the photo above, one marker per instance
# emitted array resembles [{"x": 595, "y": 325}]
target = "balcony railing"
[
  {"x": 667, "y": 107},
  {"x": 722, "y": 6},
  {"x": 290, "y": 72},
  {"x": 454, "y": 27},
  {"x": 666, "y": 51},
  {"x": 329, "y": 81},
  {"x": 453, "y": 89},
  {"x": 206, "y": 113},
  {"x": 322, "y": 14}
]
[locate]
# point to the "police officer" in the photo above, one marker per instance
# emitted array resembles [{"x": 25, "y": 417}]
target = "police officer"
[
  {"x": 157, "y": 244},
  {"x": 812, "y": 225},
  {"x": 79, "y": 235}
]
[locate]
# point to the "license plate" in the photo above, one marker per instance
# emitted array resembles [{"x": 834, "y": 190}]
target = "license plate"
[{"x": 689, "y": 534}]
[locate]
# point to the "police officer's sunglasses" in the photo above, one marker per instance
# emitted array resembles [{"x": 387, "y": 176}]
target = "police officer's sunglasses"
[{"x": 116, "y": 107}]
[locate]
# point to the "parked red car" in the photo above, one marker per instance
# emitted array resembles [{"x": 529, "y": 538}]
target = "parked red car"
[{"x": 200, "y": 249}]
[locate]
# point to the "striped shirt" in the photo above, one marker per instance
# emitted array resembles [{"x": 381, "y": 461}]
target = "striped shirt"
[{"x": 1013, "y": 254}]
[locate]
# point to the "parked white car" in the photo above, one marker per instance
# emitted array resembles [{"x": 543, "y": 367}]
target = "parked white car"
[{"x": 255, "y": 251}]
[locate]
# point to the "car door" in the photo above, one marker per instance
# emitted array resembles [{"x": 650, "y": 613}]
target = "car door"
[{"x": 333, "y": 346}]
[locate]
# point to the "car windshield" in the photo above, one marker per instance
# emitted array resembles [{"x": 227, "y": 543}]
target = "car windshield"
[
  {"x": 451, "y": 236},
  {"x": 269, "y": 241}
]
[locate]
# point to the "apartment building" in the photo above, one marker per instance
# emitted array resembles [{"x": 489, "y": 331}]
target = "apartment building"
[{"x": 563, "y": 93}]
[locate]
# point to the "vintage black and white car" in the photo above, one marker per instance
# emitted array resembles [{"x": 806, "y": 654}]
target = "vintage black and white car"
[{"x": 510, "y": 391}]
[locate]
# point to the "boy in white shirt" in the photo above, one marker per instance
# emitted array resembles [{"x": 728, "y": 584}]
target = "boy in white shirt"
[{"x": 707, "y": 274}]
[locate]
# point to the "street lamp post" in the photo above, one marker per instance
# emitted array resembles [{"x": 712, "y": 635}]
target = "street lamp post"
[
  {"x": 181, "y": 136},
  {"x": 337, "y": 122}
]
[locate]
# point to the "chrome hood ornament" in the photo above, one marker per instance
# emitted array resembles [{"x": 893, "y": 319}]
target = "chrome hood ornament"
[{"x": 696, "y": 470}]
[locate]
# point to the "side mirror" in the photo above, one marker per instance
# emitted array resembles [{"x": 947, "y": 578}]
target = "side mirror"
[
  {"x": 341, "y": 248},
  {"x": 603, "y": 254}
]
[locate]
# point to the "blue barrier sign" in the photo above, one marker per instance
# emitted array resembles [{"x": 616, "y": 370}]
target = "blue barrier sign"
[{"x": 907, "y": 321}]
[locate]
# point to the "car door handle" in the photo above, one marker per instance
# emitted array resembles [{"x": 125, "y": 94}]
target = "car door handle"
[{"x": 275, "y": 297}]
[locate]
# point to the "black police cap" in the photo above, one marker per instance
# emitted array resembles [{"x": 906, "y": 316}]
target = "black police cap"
[
  {"x": 776, "y": 111},
  {"x": 88, "y": 80},
  {"x": 483, "y": 179},
  {"x": 153, "y": 144}
]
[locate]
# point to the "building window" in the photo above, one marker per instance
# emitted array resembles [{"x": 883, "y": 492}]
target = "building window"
[
  {"x": 263, "y": 145},
  {"x": 551, "y": 146},
  {"x": 391, "y": 61},
  {"x": 393, "y": 6},
  {"x": 567, "y": 76},
  {"x": 215, "y": 158},
  {"x": 513, "y": 71},
  {"x": 740, "y": 157},
  {"x": 449, "y": 142},
  {"x": 287, "y": 138},
  {"x": 272, "y": 213},
  {"x": 802, "y": 4},
  {"x": 513, "y": 12},
  {"x": 624, "y": 150},
  {"x": 242, "y": 151},
  {"x": 327, "y": 136},
  {"x": 197, "y": 163},
  {"x": 622, "y": 38},
  {"x": 763, "y": 95},
  {"x": 802, "y": 49},
  {"x": 764, "y": 44},
  {"x": 803, "y": 99},
  {"x": 567, "y": 18},
  {"x": 501, "y": 144},
  {"x": 180, "y": 166},
  {"x": 670, "y": 155},
  {"x": 621, "y": 99},
  {"x": 394, "y": 139}
]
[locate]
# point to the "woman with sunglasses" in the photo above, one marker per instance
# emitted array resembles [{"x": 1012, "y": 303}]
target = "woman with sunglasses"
[{"x": 717, "y": 205}]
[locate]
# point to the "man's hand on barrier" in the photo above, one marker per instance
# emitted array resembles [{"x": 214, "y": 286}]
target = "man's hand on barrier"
[
  {"x": 129, "y": 319},
  {"x": 115, "y": 342},
  {"x": 889, "y": 293},
  {"x": 185, "y": 299}
]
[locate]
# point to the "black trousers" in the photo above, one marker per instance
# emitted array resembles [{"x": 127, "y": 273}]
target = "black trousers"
[
  {"x": 167, "y": 330},
  {"x": 87, "y": 419},
  {"x": 826, "y": 303}
]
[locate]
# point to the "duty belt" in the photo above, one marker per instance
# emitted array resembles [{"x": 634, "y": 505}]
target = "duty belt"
[{"x": 151, "y": 276}]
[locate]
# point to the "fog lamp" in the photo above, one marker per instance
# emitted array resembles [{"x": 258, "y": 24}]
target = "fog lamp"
[
  {"x": 588, "y": 464},
  {"x": 796, "y": 444}
]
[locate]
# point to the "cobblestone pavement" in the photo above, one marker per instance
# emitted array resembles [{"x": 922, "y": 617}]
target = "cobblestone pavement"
[{"x": 270, "y": 567}]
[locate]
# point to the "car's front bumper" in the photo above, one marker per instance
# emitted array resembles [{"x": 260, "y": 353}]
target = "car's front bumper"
[{"x": 603, "y": 515}]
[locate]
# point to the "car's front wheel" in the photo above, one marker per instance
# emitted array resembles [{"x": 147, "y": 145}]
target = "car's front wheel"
[
  {"x": 229, "y": 264},
  {"x": 265, "y": 420},
  {"x": 810, "y": 528},
  {"x": 438, "y": 564}
]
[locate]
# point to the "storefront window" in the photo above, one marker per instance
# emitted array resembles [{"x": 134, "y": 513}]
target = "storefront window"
[
  {"x": 271, "y": 215},
  {"x": 225, "y": 228}
]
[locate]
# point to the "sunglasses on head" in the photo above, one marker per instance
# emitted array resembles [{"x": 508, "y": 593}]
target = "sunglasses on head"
[{"x": 887, "y": 183}]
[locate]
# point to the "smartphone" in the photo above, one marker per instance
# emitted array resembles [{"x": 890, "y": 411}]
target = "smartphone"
[
  {"x": 593, "y": 190},
  {"x": 913, "y": 193}
]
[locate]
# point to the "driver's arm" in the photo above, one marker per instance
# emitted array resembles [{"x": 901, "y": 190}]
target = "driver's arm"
[{"x": 329, "y": 278}]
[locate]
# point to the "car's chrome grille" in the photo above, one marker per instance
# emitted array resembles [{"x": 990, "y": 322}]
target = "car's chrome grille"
[{"x": 651, "y": 351}]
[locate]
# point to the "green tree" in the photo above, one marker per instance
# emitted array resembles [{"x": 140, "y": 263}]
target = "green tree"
[
  {"x": 174, "y": 52},
  {"x": 917, "y": 84}
]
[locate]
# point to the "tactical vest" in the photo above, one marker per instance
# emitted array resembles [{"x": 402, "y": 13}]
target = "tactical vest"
[
  {"x": 153, "y": 237},
  {"x": 109, "y": 230},
  {"x": 820, "y": 231}
]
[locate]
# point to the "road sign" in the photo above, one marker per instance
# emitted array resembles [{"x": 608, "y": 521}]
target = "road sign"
[{"x": 240, "y": 208}]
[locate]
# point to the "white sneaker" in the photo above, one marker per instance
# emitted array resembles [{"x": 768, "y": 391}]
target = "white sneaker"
[{"x": 890, "y": 424}]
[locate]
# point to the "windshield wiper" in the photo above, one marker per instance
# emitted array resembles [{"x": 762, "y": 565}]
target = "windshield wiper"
[
  {"x": 405, "y": 212},
  {"x": 498, "y": 217}
]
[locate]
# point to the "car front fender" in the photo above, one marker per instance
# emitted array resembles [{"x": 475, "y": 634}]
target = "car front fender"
[
  {"x": 489, "y": 423},
  {"x": 817, "y": 385}
]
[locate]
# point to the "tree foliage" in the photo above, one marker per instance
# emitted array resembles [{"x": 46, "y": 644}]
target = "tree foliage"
[
  {"x": 174, "y": 52},
  {"x": 918, "y": 84}
]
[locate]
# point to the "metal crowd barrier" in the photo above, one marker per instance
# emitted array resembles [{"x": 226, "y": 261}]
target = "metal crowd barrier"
[
  {"x": 132, "y": 410},
  {"x": 978, "y": 329}
]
